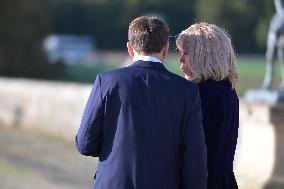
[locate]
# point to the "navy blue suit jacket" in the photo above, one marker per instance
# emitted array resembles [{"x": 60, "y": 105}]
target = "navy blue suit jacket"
[{"x": 145, "y": 125}]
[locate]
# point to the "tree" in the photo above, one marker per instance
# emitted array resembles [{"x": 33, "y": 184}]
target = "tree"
[
  {"x": 107, "y": 20},
  {"x": 246, "y": 20},
  {"x": 23, "y": 26}
]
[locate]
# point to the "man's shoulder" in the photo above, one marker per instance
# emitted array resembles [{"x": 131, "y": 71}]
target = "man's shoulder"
[
  {"x": 115, "y": 71},
  {"x": 115, "y": 74},
  {"x": 182, "y": 81},
  {"x": 127, "y": 73}
]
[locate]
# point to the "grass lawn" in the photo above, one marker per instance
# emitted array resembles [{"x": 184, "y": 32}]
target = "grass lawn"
[
  {"x": 251, "y": 70},
  {"x": 251, "y": 73}
]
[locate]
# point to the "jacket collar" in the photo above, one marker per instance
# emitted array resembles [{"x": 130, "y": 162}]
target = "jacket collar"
[
  {"x": 149, "y": 64},
  {"x": 146, "y": 58}
]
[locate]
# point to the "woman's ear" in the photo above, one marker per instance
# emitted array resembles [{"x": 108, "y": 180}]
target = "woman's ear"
[{"x": 130, "y": 49}]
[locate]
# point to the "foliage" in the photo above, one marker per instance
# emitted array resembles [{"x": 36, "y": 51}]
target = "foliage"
[
  {"x": 22, "y": 28},
  {"x": 24, "y": 25},
  {"x": 246, "y": 20},
  {"x": 108, "y": 20}
]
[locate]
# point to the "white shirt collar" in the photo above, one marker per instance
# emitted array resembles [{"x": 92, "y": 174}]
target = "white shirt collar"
[{"x": 146, "y": 58}]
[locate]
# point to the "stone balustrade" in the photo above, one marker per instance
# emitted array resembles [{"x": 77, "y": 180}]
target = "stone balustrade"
[{"x": 54, "y": 107}]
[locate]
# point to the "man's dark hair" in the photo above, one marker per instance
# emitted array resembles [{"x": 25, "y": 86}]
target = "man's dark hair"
[{"x": 148, "y": 34}]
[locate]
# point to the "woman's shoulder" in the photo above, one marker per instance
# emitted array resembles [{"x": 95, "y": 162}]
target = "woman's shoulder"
[
  {"x": 215, "y": 89},
  {"x": 210, "y": 86},
  {"x": 215, "y": 85}
]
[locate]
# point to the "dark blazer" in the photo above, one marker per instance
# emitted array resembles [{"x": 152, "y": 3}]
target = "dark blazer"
[
  {"x": 145, "y": 125},
  {"x": 220, "y": 107}
]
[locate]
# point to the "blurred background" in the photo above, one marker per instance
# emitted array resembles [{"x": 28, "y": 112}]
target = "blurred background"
[
  {"x": 72, "y": 40},
  {"x": 51, "y": 51}
]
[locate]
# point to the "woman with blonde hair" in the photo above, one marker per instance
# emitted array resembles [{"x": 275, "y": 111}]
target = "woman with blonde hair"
[{"x": 208, "y": 59}]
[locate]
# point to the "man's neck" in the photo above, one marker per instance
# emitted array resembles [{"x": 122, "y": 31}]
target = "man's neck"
[
  {"x": 146, "y": 58},
  {"x": 154, "y": 56}
]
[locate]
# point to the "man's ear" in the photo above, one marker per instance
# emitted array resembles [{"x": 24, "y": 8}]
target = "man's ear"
[{"x": 130, "y": 49}]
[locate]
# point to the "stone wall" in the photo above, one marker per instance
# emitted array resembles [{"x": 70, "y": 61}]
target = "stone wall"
[{"x": 54, "y": 107}]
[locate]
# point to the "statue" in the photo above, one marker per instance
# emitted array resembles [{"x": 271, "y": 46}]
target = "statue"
[{"x": 275, "y": 45}]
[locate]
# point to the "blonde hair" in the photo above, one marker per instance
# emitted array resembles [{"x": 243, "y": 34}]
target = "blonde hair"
[{"x": 210, "y": 53}]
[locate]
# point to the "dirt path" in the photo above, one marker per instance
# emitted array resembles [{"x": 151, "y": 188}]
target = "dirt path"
[{"x": 32, "y": 160}]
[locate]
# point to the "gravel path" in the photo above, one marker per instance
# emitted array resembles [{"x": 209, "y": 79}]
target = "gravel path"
[{"x": 32, "y": 160}]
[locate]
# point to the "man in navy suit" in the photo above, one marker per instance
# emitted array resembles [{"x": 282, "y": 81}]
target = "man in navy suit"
[{"x": 144, "y": 122}]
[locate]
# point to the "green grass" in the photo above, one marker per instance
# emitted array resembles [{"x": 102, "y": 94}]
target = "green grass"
[
  {"x": 251, "y": 70},
  {"x": 81, "y": 73},
  {"x": 251, "y": 73},
  {"x": 172, "y": 64}
]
